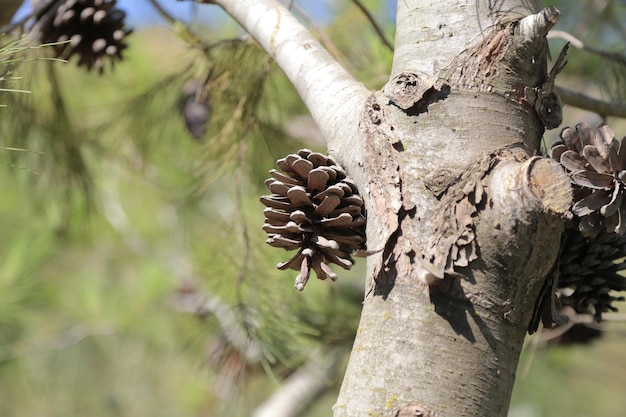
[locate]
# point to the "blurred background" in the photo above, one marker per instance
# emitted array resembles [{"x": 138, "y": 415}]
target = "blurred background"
[{"x": 134, "y": 277}]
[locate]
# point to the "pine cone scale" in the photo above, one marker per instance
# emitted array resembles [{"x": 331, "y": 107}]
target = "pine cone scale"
[
  {"x": 595, "y": 241},
  {"x": 316, "y": 208}
]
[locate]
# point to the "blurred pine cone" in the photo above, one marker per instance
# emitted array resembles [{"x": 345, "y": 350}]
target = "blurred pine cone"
[
  {"x": 94, "y": 28},
  {"x": 589, "y": 271},
  {"x": 596, "y": 162},
  {"x": 316, "y": 209},
  {"x": 195, "y": 108}
]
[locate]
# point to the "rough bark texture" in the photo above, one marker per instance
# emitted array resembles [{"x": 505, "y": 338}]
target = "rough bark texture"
[
  {"x": 464, "y": 221},
  {"x": 463, "y": 217}
]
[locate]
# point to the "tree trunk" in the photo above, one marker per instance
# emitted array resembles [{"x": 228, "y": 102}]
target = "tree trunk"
[
  {"x": 451, "y": 296},
  {"x": 464, "y": 222}
]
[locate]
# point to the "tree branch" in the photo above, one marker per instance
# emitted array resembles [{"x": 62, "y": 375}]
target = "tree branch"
[
  {"x": 372, "y": 21},
  {"x": 582, "y": 101},
  {"x": 577, "y": 43},
  {"x": 164, "y": 13},
  {"x": 233, "y": 331},
  {"x": 304, "y": 385},
  {"x": 328, "y": 90},
  {"x": 323, "y": 38}
]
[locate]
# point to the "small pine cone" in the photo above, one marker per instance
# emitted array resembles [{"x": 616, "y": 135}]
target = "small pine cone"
[
  {"x": 316, "y": 209},
  {"x": 596, "y": 162},
  {"x": 195, "y": 108},
  {"x": 589, "y": 271},
  {"x": 94, "y": 28}
]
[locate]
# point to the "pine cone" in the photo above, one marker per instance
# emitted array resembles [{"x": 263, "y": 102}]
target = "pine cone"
[
  {"x": 589, "y": 271},
  {"x": 316, "y": 209},
  {"x": 94, "y": 28},
  {"x": 195, "y": 108},
  {"x": 596, "y": 162}
]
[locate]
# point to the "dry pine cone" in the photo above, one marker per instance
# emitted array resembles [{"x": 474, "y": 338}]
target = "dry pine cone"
[
  {"x": 589, "y": 270},
  {"x": 94, "y": 28},
  {"x": 596, "y": 162},
  {"x": 316, "y": 209}
]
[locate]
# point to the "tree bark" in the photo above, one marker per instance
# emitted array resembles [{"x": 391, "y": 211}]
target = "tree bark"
[
  {"x": 464, "y": 221},
  {"x": 431, "y": 341}
]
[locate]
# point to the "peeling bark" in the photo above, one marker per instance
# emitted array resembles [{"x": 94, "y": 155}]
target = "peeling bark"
[
  {"x": 464, "y": 220},
  {"x": 468, "y": 219}
]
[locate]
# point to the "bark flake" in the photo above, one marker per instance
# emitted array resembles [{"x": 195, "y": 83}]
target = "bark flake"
[
  {"x": 384, "y": 185},
  {"x": 388, "y": 204},
  {"x": 453, "y": 244}
]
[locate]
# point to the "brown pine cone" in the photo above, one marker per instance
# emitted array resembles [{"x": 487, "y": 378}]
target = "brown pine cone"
[
  {"x": 596, "y": 162},
  {"x": 316, "y": 209},
  {"x": 590, "y": 270}
]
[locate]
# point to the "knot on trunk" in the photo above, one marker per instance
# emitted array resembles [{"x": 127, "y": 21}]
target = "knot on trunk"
[
  {"x": 414, "y": 91},
  {"x": 506, "y": 181}
]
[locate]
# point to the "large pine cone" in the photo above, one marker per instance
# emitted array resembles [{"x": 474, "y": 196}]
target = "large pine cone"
[
  {"x": 590, "y": 270},
  {"x": 596, "y": 162},
  {"x": 94, "y": 28},
  {"x": 316, "y": 209}
]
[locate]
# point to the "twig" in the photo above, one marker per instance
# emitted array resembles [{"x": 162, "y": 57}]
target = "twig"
[
  {"x": 584, "y": 319},
  {"x": 614, "y": 317},
  {"x": 559, "y": 34},
  {"x": 233, "y": 332},
  {"x": 577, "y": 43},
  {"x": 303, "y": 386},
  {"x": 372, "y": 21},
  {"x": 164, "y": 14},
  {"x": 582, "y": 101}
]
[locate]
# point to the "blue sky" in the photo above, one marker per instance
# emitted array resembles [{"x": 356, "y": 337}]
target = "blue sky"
[{"x": 140, "y": 12}]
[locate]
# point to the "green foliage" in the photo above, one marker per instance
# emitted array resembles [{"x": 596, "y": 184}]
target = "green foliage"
[
  {"x": 119, "y": 222},
  {"x": 121, "y": 235},
  {"x": 600, "y": 27},
  {"x": 575, "y": 381}
]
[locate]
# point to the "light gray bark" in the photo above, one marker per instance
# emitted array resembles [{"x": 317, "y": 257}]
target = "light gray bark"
[
  {"x": 454, "y": 351},
  {"x": 466, "y": 224}
]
